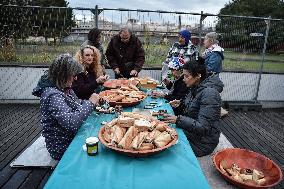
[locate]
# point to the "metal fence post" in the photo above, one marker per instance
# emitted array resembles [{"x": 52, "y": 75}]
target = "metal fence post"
[
  {"x": 179, "y": 22},
  {"x": 97, "y": 16},
  {"x": 202, "y": 17},
  {"x": 263, "y": 56}
]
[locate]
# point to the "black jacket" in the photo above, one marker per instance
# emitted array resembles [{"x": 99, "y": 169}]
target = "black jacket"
[
  {"x": 85, "y": 85},
  {"x": 201, "y": 116},
  {"x": 125, "y": 56},
  {"x": 178, "y": 91}
]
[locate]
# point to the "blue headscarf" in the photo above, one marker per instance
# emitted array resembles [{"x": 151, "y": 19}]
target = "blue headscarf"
[{"x": 185, "y": 34}]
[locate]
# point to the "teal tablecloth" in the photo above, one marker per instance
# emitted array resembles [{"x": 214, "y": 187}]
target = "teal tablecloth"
[{"x": 177, "y": 167}]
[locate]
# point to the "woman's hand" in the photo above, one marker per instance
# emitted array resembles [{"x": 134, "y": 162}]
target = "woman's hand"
[
  {"x": 101, "y": 79},
  {"x": 95, "y": 98},
  {"x": 134, "y": 73},
  {"x": 166, "y": 81},
  {"x": 175, "y": 103},
  {"x": 157, "y": 94},
  {"x": 168, "y": 118}
]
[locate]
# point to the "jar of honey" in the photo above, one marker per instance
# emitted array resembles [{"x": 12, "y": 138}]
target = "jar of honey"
[{"x": 92, "y": 146}]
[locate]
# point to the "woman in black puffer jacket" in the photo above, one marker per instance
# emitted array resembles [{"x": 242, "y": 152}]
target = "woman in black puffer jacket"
[{"x": 201, "y": 116}]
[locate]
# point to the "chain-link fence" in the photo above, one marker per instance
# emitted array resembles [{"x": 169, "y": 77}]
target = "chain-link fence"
[{"x": 33, "y": 35}]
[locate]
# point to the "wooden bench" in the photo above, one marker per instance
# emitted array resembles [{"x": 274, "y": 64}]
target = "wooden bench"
[{"x": 206, "y": 163}]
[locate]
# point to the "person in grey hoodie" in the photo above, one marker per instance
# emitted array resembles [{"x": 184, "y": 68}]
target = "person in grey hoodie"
[
  {"x": 62, "y": 112},
  {"x": 201, "y": 116}
]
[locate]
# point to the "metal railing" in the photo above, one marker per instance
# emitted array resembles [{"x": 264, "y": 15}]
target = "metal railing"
[{"x": 35, "y": 35}]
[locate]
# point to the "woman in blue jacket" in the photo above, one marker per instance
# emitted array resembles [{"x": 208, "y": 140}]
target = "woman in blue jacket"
[
  {"x": 201, "y": 108},
  {"x": 213, "y": 54}
]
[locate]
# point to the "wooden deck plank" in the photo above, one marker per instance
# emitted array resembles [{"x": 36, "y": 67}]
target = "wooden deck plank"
[
  {"x": 6, "y": 174},
  {"x": 14, "y": 125},
  {"x": 262, "y": 137},
  {"x": 20, "y": 130},
  {"x": 274, "y": 129},
  {"x": 34, "y": 179},
  {"x": 17, "y": 179},
  {"x": 7, "y": 116}
]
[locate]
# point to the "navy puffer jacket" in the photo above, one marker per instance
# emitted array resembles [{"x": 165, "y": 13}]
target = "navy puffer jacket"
[{"x": 201, "y": 115}]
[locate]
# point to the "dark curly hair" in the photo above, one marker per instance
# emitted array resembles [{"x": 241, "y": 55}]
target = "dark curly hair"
[
  {"x": 93, "y": 35},
  {"x": 195, "y": 67}
]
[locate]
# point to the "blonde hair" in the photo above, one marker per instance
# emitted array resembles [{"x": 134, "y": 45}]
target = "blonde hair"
[{"x": 96, "y": 66}]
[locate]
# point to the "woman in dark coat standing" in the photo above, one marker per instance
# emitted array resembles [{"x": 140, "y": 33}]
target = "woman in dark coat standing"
[{"x": 201, "y": 116}]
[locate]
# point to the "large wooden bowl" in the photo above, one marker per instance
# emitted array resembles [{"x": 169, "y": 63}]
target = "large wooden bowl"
[
  {"x": 135, "y": 153},
  {"x": 248, "y": 159}
]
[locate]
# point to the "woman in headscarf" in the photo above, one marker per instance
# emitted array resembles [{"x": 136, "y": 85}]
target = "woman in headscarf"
[{"x": 62, "y": 112}]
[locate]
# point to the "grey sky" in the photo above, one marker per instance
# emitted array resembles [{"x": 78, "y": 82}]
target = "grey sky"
[{"x": 208, "y": 6}]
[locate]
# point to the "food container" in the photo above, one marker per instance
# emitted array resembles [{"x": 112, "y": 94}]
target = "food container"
[
  {"x": 252, "y": 160},
  {"x": 92, "y": 146}
]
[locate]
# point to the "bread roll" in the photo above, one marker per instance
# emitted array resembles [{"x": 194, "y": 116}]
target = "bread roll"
[
  {"x": 152, "y": 135},
  {"x": 126, "y": 141},
  {"x": 138, "y": 140},
  {"x": 163, "y": 139},
  {"x": 142, "y": 124},
  {"x": 126, "y": 120},
  {"x": 146, "y": 146},
  {"x": 117, "y": 134},
  {"x": 161, "y": 127}
]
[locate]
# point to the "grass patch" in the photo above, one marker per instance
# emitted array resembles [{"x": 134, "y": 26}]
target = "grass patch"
[{"x": 154, "y": 55}]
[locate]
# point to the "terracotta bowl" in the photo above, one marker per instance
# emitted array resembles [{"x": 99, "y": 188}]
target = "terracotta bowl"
[
  {"x": 123, "y": 104},
  {"x": 134, "y": 153},
  {"x": 248, "y": 159}
]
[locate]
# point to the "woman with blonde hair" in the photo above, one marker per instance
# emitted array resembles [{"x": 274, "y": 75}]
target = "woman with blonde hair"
[{"x": 93, "y": 76}]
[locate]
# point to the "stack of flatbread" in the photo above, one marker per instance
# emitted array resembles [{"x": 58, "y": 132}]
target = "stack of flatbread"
[
  {"x": 133, "y": 131},
  {"x": 128, "y": 94},
  {"x": 118, "y": 83}
]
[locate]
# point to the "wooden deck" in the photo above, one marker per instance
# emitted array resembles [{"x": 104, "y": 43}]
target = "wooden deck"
[{"x": 262, "y": 132}]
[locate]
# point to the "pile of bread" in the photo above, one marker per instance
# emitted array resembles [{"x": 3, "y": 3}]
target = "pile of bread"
[
  {"x": 117, "y": 83},
  {"x": 145, "y": 82},
  {"x": 244, "y": 175},
  {"x": 133, "y": 131},
  {"x": 128, "y": 94}
]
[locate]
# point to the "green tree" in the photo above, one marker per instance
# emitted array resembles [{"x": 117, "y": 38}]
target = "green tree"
[
  {"x": 54, "y": 21},
  {"x": 236, "y": 31},
  {"x": 11, "y": 26},
  {"x": 11, "y": 18}
]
